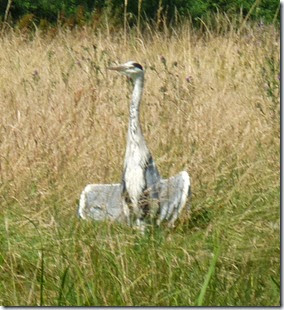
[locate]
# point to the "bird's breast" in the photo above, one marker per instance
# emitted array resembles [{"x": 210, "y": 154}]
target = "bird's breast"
[
  {"x": 134, "y": 182},
  {"x": 134, "y": 174}
]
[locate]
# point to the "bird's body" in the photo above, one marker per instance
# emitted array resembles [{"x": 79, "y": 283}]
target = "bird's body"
[
  {"x": 139, "y": 171},
  {"x": 141, "y": 181}
]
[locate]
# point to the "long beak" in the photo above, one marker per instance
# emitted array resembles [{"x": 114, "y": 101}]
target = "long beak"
[{"x": 117, "y": 68}]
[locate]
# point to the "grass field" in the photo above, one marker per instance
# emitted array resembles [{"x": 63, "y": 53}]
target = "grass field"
[{"x": 211, "y": 107}]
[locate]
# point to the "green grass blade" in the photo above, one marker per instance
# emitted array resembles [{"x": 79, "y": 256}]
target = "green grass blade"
[
  {"x": 63, "y": 279},
  {"x": 208, "y": 276},
  {"x": 41, "y": 278}
]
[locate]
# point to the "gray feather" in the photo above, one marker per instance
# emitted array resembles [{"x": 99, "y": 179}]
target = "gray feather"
[
  {"x": 173, "y": 193},
  {"x": 101, "y": 202},
  {"x": 152, "y": 177}
]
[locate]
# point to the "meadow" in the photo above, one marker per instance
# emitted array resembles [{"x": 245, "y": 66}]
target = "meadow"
[{"x": 211, "y": 107}]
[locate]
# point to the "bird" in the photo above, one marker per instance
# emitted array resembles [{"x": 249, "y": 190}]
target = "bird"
[
  {"x": 139, "y": 171},
  {"x": 141, "y": 186}
]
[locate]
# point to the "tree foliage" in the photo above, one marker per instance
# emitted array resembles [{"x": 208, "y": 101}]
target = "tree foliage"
[{"x": 54, "y": 10}]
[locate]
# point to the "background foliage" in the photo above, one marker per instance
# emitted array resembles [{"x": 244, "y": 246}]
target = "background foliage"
[{"x": 79, "y": 11}]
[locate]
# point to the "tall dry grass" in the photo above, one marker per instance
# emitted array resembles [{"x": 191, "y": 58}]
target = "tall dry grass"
[{"x": 210, "y": 107}]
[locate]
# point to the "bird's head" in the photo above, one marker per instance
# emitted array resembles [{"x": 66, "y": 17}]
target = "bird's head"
[{"x": 131, "y": 69}]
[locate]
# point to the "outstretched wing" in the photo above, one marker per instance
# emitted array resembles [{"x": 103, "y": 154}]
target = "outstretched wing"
[
  {"x": 173, "y": 193},
  {"x": 103, "y": 201},
  {"x": 100, "y": 202}
]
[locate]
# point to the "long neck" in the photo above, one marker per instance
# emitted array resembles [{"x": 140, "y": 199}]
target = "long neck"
[{"x": 134, "y": 130}]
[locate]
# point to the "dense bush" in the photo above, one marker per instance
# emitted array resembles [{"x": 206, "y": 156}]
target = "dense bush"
[{"x": 54, "y": 10}]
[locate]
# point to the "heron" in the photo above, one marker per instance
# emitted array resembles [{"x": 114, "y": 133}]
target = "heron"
[
  {"x": 140, "y": 171},
  {"x": 141, "y": 183}
]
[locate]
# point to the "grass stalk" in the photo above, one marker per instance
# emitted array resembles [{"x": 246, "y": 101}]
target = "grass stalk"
[
  {"x": 41, "y": 277},
  {"x": 209, "y": 275}
]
